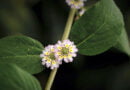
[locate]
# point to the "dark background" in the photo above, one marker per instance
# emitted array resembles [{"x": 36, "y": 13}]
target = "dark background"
[{"x": 45, "y": 20}]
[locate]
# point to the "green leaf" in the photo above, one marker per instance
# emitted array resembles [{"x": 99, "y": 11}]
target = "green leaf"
[
  {"x": 98, "y": 29},
  {"x": 123, "y": 43},
  {"x": 14, "y": 78},
  {"x": 22, "y": 51}
]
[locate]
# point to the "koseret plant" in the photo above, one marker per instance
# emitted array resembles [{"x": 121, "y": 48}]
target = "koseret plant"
[{"x": 90, "y": 30}]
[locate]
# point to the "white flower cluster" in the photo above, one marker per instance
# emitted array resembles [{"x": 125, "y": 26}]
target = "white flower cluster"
[
  {"x": 53, "y": 55},
  {"x": 76, "y": 4}
]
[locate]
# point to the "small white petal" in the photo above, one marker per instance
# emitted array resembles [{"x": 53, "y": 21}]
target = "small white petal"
[
  {"x": 52, "y": 67},
  {"x": 41, "y": 55},
  {"x": 59, "y": 42},
  {"x": 75, "y": 50},
  {"x": 70, "y": 59},
  {"x": 43, "y": 60},
  {"x": 74, "y": 55},
  {"x": 43, "y": 63},
  {"x": 66, "y": 60},
  {"x": 48, "y": 65}
]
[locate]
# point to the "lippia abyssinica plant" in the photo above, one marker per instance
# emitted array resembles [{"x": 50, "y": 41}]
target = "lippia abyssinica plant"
[{"x": 97, "y": 29}]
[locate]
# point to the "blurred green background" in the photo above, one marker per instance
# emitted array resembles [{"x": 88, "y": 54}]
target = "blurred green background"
[{"x": 45, "y": 20}]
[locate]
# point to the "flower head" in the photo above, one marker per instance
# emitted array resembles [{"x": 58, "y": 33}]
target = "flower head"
[
  {"x": 77, "y": 4},
  {"x": 53, "y": 55},
  {"x": 66, "y": 50},
  {"x": 49, "y": 57}
]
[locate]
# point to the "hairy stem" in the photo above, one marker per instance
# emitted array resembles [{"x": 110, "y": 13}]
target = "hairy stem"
[{"x": 65, "y": 36}]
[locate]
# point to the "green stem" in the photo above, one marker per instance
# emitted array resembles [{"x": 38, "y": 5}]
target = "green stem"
[
  {"x": 69, "y": 24},
  {"x": 51, "y": 79},
  {"x": 65, "y": 36}
]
